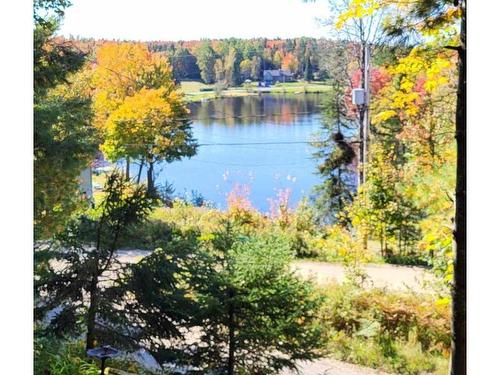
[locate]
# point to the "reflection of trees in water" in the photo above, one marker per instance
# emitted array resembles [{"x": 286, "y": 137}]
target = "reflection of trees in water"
[{"x": 279, "y": 109}]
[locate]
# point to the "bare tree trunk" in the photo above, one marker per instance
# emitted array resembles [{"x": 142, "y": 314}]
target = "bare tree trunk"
[
  {"x": 151, "y": 183},
  {"x": 231, "y": 327},
  {"x": 458, "y": 343},
  {"x": 127, "y": 168},
  {"x": 140, "y": 171},
  {"x": 92, "y": 313},
  {"x": 382, "y": 242}
]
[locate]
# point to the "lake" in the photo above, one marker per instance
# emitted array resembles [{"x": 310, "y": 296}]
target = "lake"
[{"x": 257, "y": 142}]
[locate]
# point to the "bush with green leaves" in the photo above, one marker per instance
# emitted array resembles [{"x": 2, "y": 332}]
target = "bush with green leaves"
[
  {"x": 59, "y": 357},
  {"x": 56, "y": 356}
]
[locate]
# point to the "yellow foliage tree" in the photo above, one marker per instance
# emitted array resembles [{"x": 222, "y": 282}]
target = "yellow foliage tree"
[{"x": 139, "y": 110}]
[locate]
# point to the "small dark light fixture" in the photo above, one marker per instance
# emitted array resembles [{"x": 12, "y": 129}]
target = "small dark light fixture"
[{"x": 103, "y": 353}]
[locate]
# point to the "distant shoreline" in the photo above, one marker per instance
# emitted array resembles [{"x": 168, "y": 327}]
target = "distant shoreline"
[{"x": 195, "y": 91}]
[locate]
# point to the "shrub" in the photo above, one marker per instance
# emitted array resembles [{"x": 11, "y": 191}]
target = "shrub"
[
  {"x": 241, "y": 212},
  {"x": 58, "y": 357},
  {"x": 302, "y": 230},
  {"x": 338, "y": 243},
  {"x": 146, "y": 235},
  {"x": 399, "y": 332},
  {"x": 186, "y": 217}
]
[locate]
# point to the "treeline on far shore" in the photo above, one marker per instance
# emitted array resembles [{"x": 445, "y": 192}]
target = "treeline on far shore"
[{"x": 235, "y": 60}]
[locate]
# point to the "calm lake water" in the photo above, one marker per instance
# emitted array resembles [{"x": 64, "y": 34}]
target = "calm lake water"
[{"x": 260, "y": 142}]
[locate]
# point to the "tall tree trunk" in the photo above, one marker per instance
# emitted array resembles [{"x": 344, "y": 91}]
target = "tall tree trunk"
[
  {"x": 127, "y": 168},
  {"x": 151, "y": 183},
  {"x": 231, "y": 327},
  {"x": 140, "y": 171},
  {"x": 458, "y": 343},
  {"x": 92, "y": 313}
]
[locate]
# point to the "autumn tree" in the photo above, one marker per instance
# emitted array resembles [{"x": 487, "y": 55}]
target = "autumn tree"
[
  {"x": 152, "y": 124},
  {"x": 431, "y": 18},
  {"x": 219, "y": 70},
  {"x": 361, "y": 27},
  {"x": 117, "y": 74},
  {"x": 433, "y": 23},
  {"x": 277, "y": 58},
  {"x": 267, "y": 59},
  {"x": 290, "y": 63},
  {"x": 183, "y": 62},
  {"x": 142, "y": 114}
]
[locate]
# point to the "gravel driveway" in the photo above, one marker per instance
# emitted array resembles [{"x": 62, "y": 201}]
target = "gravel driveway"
[
  {"x": 326, "y": 366},
  {"x": 390, "y": 276},
  {"x": 381, "y": 275}
]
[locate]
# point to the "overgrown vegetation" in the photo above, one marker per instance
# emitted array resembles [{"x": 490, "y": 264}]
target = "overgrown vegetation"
[{"x": 398, "y": 332}]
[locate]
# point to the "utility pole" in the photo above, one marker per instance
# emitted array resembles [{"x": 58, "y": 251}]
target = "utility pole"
[
  {"x": 366, "y": 117},
  {"x": 361, "y": 98}
]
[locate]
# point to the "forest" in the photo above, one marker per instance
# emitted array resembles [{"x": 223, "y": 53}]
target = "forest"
[
  {"x": 233, "y": 60},
  {"x": 217, "y": 291}
]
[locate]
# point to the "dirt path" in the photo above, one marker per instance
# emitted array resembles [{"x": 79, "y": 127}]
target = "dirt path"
[
  {"x": 326, "y": 366},
  {"x": 381, "y": 275}
]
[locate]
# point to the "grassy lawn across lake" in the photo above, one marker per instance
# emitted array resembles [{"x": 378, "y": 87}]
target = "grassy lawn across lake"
[{"x": 197, "y": 91}]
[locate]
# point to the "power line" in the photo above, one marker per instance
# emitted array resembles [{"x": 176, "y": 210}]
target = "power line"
[
  {"x": 255, "y": 143},
  {"x": 308, "y": 142},
  {"x": 250, "y": 165}
]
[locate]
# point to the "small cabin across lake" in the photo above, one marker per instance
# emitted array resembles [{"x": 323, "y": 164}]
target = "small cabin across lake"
[{"x": 277, "y": 75}]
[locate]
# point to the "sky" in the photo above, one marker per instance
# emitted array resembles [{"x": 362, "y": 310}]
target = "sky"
[{"x": 194, "y": 19}]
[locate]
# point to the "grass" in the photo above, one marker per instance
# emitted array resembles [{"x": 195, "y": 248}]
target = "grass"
[
  {"x": 193, "y": 87},
  {"x": 195, "y": 90},
  {"x": 300, "y": 87}
]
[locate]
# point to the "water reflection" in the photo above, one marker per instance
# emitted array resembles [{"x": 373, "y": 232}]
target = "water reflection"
[{"x": 278, "y": 109}]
